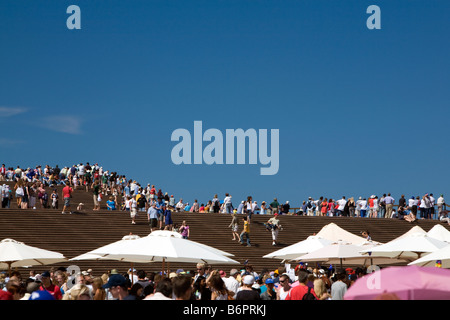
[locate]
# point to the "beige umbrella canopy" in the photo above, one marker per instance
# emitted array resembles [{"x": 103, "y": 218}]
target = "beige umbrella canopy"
[
  {"x": 295, "y": 250},
  {"x": 413, "y": 230},
  {"x": 439, "y": 232},
  {"x": 161, "y": 246},
  {"x": 409, "y": 248},
  {"x": 94, "y": 255},
  {"x": 441, "y": 256},
  {"x": 335, "y": 233},
  {"x": 341, "y": 252},
  {"x": 17, "y": 254}
]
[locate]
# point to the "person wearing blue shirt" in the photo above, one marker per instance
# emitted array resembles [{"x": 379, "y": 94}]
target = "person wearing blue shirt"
[
  {"x": 161, "y": 207},
  {"x": 167, "y": 214},
  {"x": 126, "y": 190},
  {"x": 111, "y": 204},
  {"x": 187, "y": 207},
  {"x": 153, "y": 215},
  {"x": 240, "y": 208}
]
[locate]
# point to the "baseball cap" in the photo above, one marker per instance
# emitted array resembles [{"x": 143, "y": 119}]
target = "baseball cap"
[
  {"x": 269, "y": 280},
  {"x": 45, "y": 274},
  {"x": 115, "y": 280}
]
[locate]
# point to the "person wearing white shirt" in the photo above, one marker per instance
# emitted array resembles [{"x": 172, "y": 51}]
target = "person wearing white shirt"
[
  {"x": 440, "y": 205},
  {"x": 180, "y": 205},
  {"x": 255, "y": 207},
  {"x": 363, "y": 209},
  {"x": 432, "y": 204},
  {"x": 424, "y": 206},
  {"x": 358, "y": 206},
  {"x": 375, "y": 207},
  {"x": 231, "y": 283},
  {"x": 227, "y": 203},
  {"x": 133, "y": 209},
  {"x": 341, "y": 205}
]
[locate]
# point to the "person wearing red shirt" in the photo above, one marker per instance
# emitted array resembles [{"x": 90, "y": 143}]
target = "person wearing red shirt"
[
  {"x": 67, "y": 194},
  {"x": 49, "y": 286},
  {"x": 297, "y": 293}
]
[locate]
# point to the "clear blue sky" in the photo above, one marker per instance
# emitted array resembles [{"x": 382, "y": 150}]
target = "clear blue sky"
[{"x": 359, "y": 111}]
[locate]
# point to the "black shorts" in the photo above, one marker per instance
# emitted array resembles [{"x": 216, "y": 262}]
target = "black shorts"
[{"x": 153, "y": 223}]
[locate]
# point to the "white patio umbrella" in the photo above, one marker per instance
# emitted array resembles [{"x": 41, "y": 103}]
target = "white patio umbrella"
[
  {"x": 439, "y": 232},
  {"x": 430, "y": 260},
  {"x": 408, "y": 248},
  {"x": 335, "y": 233},
  {"x": 413, "y": 230},
  {"x": 298, "y": 249},
  {"x": 163, "y": 246},
  {"x": 17, "y": 254},
  {"x": 94, "y": 255},
  {"x": 166, "y": 233},
  {"x": 340, "y": 252}
]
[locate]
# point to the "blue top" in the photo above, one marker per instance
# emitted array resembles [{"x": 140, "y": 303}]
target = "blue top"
[
  {"x": 111, "y": 204},
  {"x": 152, "y": 213}
]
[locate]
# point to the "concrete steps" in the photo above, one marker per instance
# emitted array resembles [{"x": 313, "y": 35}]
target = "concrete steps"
[{"x": 77, "y": 233}]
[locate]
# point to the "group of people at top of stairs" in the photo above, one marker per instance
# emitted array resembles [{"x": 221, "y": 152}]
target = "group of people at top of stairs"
[{"x": 30, "y": 190}]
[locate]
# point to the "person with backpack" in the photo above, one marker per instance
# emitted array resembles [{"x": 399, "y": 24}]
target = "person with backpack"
[{"x": 302, "y": 291}]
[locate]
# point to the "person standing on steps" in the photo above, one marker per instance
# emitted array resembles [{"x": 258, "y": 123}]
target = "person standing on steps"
[
  {"x": 245, "y": 233},
  {"x": 133, "y": 209},
  {"x": 227, "y": 203},
  {"x": 273, "y": 225},
  {"x": 152, "y": 216},
  {"x": 184, "y": 230},
  {"x": 274, "y": 206},
  {"x": 67, "y": 194},
  {"x": 234, "y": 225},
  {"x": 96, "y": 193}
]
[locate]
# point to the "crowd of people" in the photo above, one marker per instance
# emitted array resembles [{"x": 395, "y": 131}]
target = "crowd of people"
[
  {"x": 410, "y": 209},
  {"x": 121, "y": 193},
  {"x": 37, "y": 186},
  {"x": 204, "y": 283}
]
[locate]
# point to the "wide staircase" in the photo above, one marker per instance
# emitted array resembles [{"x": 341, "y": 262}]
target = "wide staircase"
[{"x": 85, "y": 230}]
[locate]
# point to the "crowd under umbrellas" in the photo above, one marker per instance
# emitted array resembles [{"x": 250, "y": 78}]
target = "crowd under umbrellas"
[{"x": 426, "y": 253}]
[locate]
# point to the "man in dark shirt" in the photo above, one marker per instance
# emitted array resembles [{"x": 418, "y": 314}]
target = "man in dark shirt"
[
  {"x": 402, "y": 201},
  {"x": 274, "y": 206},
  {"x": 286, "y": 207},
  {"x": 247, "y": 292}
]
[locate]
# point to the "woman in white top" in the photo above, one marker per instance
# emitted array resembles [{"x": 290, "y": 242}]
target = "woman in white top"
[
  {"x": 217, "y": 286},
  {"x": 263, "y": 208},
  {"x": 375, "y": 207}
]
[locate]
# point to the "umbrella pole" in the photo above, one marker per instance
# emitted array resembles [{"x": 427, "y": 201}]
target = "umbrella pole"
[
  {"x": 163, "y": 267},
  {"x": 132, "y": 274}
]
